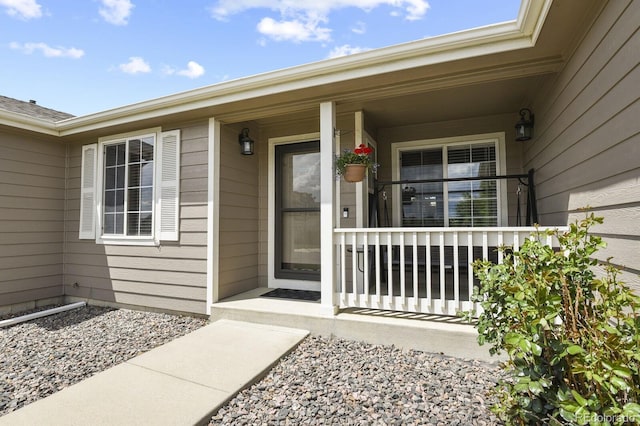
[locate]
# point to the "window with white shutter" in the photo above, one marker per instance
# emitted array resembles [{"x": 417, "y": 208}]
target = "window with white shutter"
[
  {"x": 169, "y": 185},
  {"x": 88, "y": 192},
  {"x": 130, "y": 188}
]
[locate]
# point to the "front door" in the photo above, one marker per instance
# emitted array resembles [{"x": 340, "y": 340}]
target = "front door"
[{"x": 297, "y": 212}]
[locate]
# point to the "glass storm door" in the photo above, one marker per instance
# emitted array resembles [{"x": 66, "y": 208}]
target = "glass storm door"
[{"x": 297, "y": 215}]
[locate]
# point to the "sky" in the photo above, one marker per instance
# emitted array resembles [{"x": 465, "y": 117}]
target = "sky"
[{"x": 87, "y": 56}]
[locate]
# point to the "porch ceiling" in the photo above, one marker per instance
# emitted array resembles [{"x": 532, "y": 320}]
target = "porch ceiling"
[{"x": 454, "y": 103}]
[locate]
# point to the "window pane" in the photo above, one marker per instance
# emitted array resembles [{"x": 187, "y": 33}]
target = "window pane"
[
  {"x": 109, "y": 201},
  {"x": 109, "y": 224},
  {"x": 120, "y": 200},
  {"x": 146, "y": 199},
  {"x": 122, "y": 149},
  {"x": 300, "y": 174},
  {"x": 110, "y": 155},
  {"x": 300, "y": 242},
  {"x": 146, "y": 178},
  {"x": 133, "y": 222},
  {"x": 422, "y": 202},
  {"x": 119, "y": 177},
  {"x": 134, "y": 175},
  {"x": 133, "y": 200},
  {"x": 146, "y": 220},
  {"x": 110, "y": 178},
  {"x": 134, "y": 151},
  {"x": 119, "y": 223},
  {"x": 147, "y": 149}
]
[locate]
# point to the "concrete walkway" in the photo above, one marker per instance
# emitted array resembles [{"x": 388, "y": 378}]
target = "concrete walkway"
[{"x": 180, "y": 383}]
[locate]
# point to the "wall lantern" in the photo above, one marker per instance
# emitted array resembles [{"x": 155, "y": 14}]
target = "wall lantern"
[
  {"x": 524, "y": 127},
  {"x": 246, "y": 143}
]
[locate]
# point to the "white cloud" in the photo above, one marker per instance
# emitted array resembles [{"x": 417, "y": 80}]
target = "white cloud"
[
  {"x": 300, "y": 20},
  {"x": 413, "y": 9},
  {"x": 359, "y": 28},
  {"x": 25, "y": 9},
  {"x": 294, "y": 30},
  {"x": 48, "y": 51},
  {"x": 193, "y": 70},
  {"x": 345, "y": 50},
  {"x": 116, "y": 12},
  {"x": 136, "y": 65}
]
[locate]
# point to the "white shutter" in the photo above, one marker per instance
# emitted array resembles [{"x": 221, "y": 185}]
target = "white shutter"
[
  {"x": 88, "y": 192},
  {"x": 168, "y": 191}
]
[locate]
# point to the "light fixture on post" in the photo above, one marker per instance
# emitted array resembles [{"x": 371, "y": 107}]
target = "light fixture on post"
[
  {"x": 246, "y": 143},
  {"x": 524, "y": 127}
]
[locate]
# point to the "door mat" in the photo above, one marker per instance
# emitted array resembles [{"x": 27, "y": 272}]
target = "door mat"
[{"x": 285, "y": 293}]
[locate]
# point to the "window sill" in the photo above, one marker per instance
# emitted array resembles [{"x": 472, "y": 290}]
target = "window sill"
[{"x": 127, "y": 242}]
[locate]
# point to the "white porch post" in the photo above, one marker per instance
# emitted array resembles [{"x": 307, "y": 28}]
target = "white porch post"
[
  {"x": 213, "y": 207},
  {"x": 327, "y": 206}
]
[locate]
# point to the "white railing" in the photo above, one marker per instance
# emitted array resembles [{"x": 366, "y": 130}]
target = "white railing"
[{"x": 426, "y": 270}]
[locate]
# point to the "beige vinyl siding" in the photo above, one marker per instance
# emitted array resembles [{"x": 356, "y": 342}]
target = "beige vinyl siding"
[
  {"x": 587, "y": 145},
  {"x": 238, "y": 254},
  {"x": 172, "y": 276},
  {"x": 32, "y": 176}
]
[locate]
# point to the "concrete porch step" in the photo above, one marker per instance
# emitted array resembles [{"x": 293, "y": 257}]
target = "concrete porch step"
[{"x": 429, "y": 333}]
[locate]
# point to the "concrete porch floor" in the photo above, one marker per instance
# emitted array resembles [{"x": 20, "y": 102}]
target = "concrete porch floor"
[{"x": 428, "y": 333}]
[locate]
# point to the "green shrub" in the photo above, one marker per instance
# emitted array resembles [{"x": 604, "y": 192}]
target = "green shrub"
[{"x": 572, "y": 338}]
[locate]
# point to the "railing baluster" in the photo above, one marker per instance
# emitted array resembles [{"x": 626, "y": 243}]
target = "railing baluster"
[
  {"x": 365, "y": 267},
  {"x": 378, "y": 267},
  {"x": 485, "y": 246},
  {"x": 456, "y": 270},
  {"x": 500, "y": 244},
  {"x": 343, "y": 267},
  {"x": 443, "y": 297},
  {"x": 415, "y": 269},
  {"x": 389, "y": 267},
  {"x": 402, "y": 269},
  {"x": 427, "y": 268},
  {"x": 354, "y": 266},
  {"x": 470, "y": 265}
]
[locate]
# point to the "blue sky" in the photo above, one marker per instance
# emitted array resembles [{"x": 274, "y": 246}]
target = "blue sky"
[{"x": 85, "y": 56}]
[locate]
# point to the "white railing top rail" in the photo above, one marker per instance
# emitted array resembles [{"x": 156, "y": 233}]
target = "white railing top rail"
[{"x": 521, "y": 229}]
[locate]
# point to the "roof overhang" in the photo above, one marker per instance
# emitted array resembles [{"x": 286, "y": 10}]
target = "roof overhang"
[{"x": 519, "y": 34}]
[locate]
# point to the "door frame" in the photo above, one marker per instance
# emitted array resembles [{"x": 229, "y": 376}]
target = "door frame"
[{"x": 272, "y": 281}]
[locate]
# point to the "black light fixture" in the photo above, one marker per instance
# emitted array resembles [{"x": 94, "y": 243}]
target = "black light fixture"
[
  {"x": 524, "y": 127},
  {"x": 246, "y": 143}
]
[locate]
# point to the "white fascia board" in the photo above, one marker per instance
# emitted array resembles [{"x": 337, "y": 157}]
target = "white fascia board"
[
  {"x": 518, "y": 34},
  {"x": 25, "y": 122}
]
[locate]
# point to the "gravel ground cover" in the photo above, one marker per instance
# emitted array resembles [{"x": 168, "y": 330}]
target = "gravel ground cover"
[
  {"x": 338, "y": 382},
  {"x": 43, "y": 356}
]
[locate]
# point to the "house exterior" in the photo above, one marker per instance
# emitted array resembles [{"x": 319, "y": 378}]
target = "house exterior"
[{"x": 153, "y": 206}]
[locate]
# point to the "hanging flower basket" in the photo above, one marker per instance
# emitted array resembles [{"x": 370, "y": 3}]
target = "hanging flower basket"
[
  {"x": 354, "y": 172},
  {"x": 353, "y": 165}
]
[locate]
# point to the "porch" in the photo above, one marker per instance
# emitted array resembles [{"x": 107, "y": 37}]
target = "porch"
[{"x": 428, "y": 333}]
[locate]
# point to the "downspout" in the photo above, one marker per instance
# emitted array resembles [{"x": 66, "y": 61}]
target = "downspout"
[
  {"x": 64, "y": 220},
  {"x": 29, "y": 317}
]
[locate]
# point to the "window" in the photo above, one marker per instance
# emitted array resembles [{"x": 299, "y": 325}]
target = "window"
[
  {"x": 130, "y": 188},
  {"x": 468, "y": 203}
]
